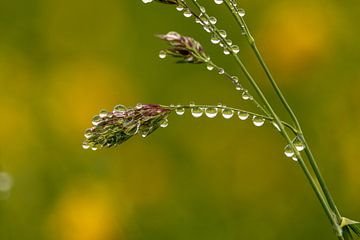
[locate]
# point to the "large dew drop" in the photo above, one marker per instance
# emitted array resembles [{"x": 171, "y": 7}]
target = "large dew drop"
[
  {"x": 258, "y": 121},
  {"x": 147, "y": 1},
  {"x": 197, "y": 112},
  {"x": 216, "y": 1},
  {"x": 187, "y": 13},
  {"x": 227, "y": 113},
  {"x": 288, "y": 151},
  {"x": 162, "y": 54},
  {"x": 180, "y": 111},
  {"x": 211, "y": 112},
  {"x": 243, "y": 115}
]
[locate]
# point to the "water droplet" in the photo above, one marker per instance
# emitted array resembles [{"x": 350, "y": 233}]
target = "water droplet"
[
  {"x": 235, "y": 79},
  {"x": 211, "y": 112},
  {"x": 212, "y": 20},
  {"x": 147, "y": 1},
  {"x": 187, "y": 13},
  {"x": 180, "y": 111},
  {"x": 221, "y": 71},
  {"x": 229, "y": 42},
  {"x": 223, "y": 33},
  {"x": 298, "y": 143},
  {"x": 94, "y": 148},
  {"x": 295, "y": 159},
  {"x": 103, "y": 113},
  {"x": 164, "y": 123},
  {"x": 214, "y": 39},
  {"x": 243, "y": 115},
  {"x": 258, "y": 121},
  {"x": 192, "y": 104},
  {"x": 227, "y": 113},
  {"x": 179, "y": 8},
  {"x": 85, "y": 145},
  {"x": 288, "y": 151},
  {"x": 241, "y": 12},
  {"x": 197, "y": 112},
  {"x": 162, "y": 54},
  {"x": 96, "y": 120},
  {"x": 246, "y": 95},
  {"x": 216, "y": 1},
  {"x": 238, "y": 87},
  {"x": 88, "y": 133},
  {"x": 235, "y": 48},
  {"x": 119, "y": 109},
  {"x": 210, "y": 67},
  {"x": 202, "y": 9},
  {"x": 226, "y": 51}
]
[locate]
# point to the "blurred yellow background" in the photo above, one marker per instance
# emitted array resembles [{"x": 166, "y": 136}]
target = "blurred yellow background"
[{"x": 62, "y": 61}]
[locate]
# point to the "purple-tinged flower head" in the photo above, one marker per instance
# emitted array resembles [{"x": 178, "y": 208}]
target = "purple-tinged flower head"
[
  {"x": 113, "y": 128},
  {"x": 185, "y": 48}
]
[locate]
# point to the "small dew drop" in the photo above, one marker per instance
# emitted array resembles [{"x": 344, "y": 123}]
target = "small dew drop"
[
  {"x": 96, "y": 120},
  {"x": 299, "y": 145},
  {"x": 210, "y": 67},
  {"x": 94, "y": 148},
  {"x": 238, "y": 87},
  {"x": 221, "y": 71},
  {"x": 295, "y": 159},
  {"x": 241, "y": 12},
  {"x": 235, "y": 48},
  {"x": 211, "y": 112},
  {"x": 202, "y": 9},
  {"x": 226, "y": 51},
  {"x": 162, "y": 54},
  {"x": 119, "y": 109},
  {"x": 147, "y": 1},
  {"x": 246, "y": 95},
  {"x": 88, "y": 133},
  {"x": 235, "y": 79},
  {"x": 243, "y": 115},
  {"x": 164, "y": 123},
  {"x": 103, "y": 113},
  {"x": 179, "y": 8},
  {"x": 216, "y": 1},
  {"x": 139, "y": 106},
  {"x": 85, "y": 145},
  {"x": 214, "y": 39},
  {"x": 212, "y": 20},
  {"x": 187, "y": 13},
  {"x": 197, "y": 112},
  {"x": 276, "y": 126},
  {"x": 288, "y": 151},
  {"x": 223, "y": 33},
  {"x": 180, "y": 111},
  {"x": 227, "y": 113},
  {"x": 258, "y": 121}
]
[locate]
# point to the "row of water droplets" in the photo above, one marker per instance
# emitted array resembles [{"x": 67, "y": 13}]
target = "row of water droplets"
[
  {"x": 118, "y": 109},
  {"x": 213, "y": 111},
  {"x": 299, "y": 146}
]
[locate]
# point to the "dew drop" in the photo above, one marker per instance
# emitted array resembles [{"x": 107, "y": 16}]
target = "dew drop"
[
  {"x": 197, "y": 112},
  {"x": 211, "y": 112},
  {"x": 162, "y": 54},
  {"x": 139, "y": 106},
  {"x": 241, "y": 12},
  {"x": 258, "y": 121},
  {"x": 288, "y": 151},
  {"x": 235, "y": 79},
  {"x": 96, "y": 120},
  {"x": 228, "y": 42},
  {"x": 227, "y": 113},
  {"x": 299, "y": 145},
  {"x": 216, "y": 1},
  {"x": 187, "y": 13},
  {"x": 85, "y": 145},
  {"x": 210, "y": 67},
  {"x": 214, "y": 39},
  {"x": 246, "y": 95},
  {"x": 94, "y": 148},
  {"x": 276, "y": 126},
  {"x": 221, "y": 71},
  {"x": 226, "y": 51},
  {"x": 179, "y": 8},
  {"x": 243, "y": 115},
  {"x": 147, "y": 1},
  {"x": 202, "y": 9},
  {"x": 295, "y": 159},
  {"x": 180, "y": 111},
  {"x": 88, "y": 133},
  {"x": 238, "y": 87},
  {"x": 103, "y": 113},
  {"x": 212, "y": 20},
  {"x": 235, "y": 48},
  {"x": 192, "y": 104},
  {"x": 164, "y": 123},
  {"x": 223, "y": 33},
  {"x": 119, "y": 109}
]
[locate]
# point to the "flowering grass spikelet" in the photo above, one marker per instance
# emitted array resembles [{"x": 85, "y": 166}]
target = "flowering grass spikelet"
[
  {"x": 186, "y": 48},
  {"x": 118, "y": 126}
]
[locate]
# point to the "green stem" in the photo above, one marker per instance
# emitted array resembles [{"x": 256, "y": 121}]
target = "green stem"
[{"x": 241, "y": 22}]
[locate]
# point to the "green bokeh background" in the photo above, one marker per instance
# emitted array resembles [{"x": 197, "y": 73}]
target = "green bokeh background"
[{"x": 61, "y": 61}]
